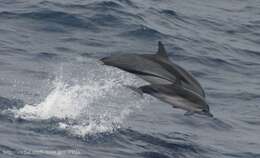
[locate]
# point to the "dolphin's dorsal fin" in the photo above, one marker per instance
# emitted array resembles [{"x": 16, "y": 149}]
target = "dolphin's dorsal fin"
[{"x": 161, "y": 50}]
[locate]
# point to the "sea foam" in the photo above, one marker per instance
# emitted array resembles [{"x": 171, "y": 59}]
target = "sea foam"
[{"x": 99, "y": 103}]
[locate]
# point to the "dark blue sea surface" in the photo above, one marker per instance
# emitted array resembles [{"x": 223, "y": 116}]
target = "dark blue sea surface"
[{"x": 58, "y": 101}]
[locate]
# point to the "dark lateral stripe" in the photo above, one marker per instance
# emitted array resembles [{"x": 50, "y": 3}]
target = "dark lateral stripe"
[{"x": 145, "y": 74}]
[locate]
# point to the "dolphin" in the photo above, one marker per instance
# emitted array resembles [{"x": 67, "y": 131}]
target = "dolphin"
[
  {"x": 177, "y": 96},
  {"x": 156, "y": 68}
]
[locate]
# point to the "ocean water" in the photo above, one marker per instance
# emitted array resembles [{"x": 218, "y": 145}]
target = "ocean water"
[{"x": 58, "y": 101}]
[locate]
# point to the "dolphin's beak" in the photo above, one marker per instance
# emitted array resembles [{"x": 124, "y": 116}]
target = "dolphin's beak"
[{"x": 206, "y": 113}]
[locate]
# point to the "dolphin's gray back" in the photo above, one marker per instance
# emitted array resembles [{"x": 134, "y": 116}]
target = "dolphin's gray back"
[{"x": 145, "y": 68}]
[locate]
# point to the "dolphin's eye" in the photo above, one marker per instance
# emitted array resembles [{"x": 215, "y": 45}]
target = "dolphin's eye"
[{"x": 204, "y": 110}]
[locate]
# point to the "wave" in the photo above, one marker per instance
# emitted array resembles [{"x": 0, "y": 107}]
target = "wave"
[
  {"x": 143, "y": 32},
  {"x": 6, "y": 103},
  {"x": 51, "y": 16},
  {"x": 174, "y": 145}
]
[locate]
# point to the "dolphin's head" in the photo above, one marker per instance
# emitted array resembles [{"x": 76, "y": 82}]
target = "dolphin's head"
[{"x": 205, "y": 112}]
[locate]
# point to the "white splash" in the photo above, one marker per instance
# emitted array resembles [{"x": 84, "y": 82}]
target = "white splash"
[{"x": 86, "y": 108}]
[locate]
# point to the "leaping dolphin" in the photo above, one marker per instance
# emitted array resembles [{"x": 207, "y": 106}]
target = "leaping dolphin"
[
  {"x": 155, "y": 68},
  {"x": 168, "y": 81}
]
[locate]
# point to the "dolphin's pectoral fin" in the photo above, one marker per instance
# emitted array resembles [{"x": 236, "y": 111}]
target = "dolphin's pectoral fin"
[
  {"x": 161, "y": 50},
  {"x": 188, "y": 113},
  {"x": 135, "y": 89}
]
